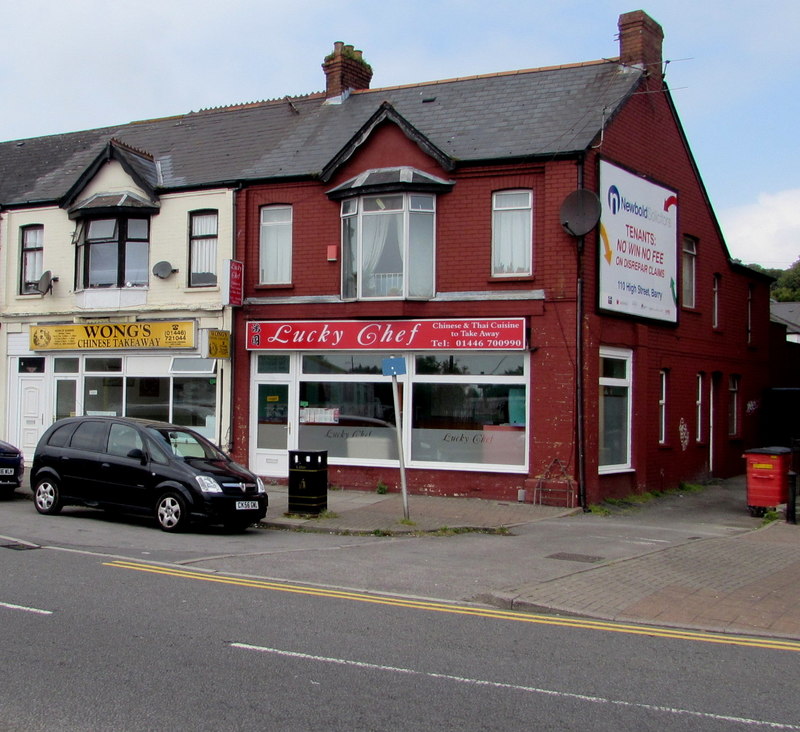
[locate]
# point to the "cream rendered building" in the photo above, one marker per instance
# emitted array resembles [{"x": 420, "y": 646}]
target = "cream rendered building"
[{"x": 114, "y": 300}]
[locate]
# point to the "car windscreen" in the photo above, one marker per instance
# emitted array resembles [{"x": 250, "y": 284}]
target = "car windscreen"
[{"x": 185, "y": 445}]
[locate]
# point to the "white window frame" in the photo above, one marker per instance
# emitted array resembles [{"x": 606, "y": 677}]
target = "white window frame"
[
  {"x": 698, "y": 407},
  {"x": 518, "y": 243},
  {"x": 275, "y": 245},
  {"x": 716, "y": 287},
  {"x": 689, "y": 273},
  {"x": 626, "y": 355},
  {"x": 663, "y": 377},
  {"x": 418, "y": 276},
  {"x": 203, "y": 248},
  {"x": 734, "y": 388}
]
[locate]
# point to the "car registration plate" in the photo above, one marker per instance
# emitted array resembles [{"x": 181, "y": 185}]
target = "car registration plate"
[
  {"x": 246, "y": 505},
  {"x": 6, "y": 471}
]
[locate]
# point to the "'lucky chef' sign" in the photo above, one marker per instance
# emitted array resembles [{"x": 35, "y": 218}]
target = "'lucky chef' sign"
[{"x": 478, "y": 334}]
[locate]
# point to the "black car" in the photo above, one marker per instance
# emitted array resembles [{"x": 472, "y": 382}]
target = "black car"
[
  {"x": 10, "y": 467},
  {"x": 143, "y": 466}
]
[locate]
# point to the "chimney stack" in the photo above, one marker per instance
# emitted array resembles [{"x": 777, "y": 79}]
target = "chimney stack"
[
  {"x": 640, "y": 40},
  {"x": 345, "y": 70}
]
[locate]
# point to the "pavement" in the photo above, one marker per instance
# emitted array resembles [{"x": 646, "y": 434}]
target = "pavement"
[{"x": 725, "y": 572}]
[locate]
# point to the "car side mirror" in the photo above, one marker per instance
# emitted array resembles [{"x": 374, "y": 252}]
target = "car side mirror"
[{"x": 137, "y": 454}]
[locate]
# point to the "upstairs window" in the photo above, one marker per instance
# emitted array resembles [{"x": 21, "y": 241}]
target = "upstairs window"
[
  {"x": 31, "y": 248},
  {"x": 689, "y": 272},
  {"x": 512, "y": 233},
  {"x": 203, "y": 248},
  {"x": 275, "y": 247},
  {"x": 715, "y": 301},
  {"x": 113, "y": 252},
  {"x": 388, "y": 246}
]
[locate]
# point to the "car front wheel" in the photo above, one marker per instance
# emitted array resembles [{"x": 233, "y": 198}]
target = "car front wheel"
[
  {"x": 171, "y": 512},
  {"x": 47, "y": 496}
]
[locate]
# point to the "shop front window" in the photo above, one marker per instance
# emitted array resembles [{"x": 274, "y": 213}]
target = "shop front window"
[
  {"x": 147, "y": 397},
  {"x": 194, "y": 403},
  {"x": 461, "y": 410},
  {"x": 469, "y": 423},
  {"x": 102, "y": 395},
  {"x": 353, "y": 419}
]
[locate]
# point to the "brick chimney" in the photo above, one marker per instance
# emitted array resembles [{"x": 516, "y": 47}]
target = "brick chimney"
[
  {"x": 345, "y": 70},
  {"x": 640, "y": 39}
]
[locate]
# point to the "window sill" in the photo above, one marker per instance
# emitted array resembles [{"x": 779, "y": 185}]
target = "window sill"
[
  {"x": 614, "y": 470},
  {"x": 494, "y": 279},
  {"x": 286, "y": 286}
]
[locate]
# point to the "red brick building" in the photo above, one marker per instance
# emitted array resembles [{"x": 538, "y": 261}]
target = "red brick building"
[{"x": 552, "y": 345}]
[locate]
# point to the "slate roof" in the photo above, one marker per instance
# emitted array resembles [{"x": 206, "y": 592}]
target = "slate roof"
[
  {"x": 786, "y": 313},
  {"x": 506, "y": 116}
]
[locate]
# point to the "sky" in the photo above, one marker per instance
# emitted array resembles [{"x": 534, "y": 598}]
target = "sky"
[{"x": 732, "y": 67}]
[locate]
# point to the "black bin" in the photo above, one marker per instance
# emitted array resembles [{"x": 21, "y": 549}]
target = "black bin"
[{"x": 308, "y": 481}]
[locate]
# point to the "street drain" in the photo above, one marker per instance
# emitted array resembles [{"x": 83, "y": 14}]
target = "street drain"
[
  {"x": 588, "y": 558},
  {"x": 19, "y": 547}
]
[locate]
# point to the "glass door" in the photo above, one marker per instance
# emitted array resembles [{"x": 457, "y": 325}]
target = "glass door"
[{"x": 272, "y": 429}]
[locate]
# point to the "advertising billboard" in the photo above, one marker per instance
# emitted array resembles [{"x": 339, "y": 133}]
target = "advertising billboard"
[{"x": 638, "y": 252}]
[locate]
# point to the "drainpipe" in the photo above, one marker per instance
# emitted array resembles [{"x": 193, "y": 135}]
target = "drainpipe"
[{"x": 579, "y": 435}]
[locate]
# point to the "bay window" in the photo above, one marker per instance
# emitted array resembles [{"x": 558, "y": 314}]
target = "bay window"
[
  {"x": 388, "y": 246},
  {"x": 113, "y": 252}
]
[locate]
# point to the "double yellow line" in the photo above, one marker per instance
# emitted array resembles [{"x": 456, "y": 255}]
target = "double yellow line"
[{"x": 441, "y": 607}]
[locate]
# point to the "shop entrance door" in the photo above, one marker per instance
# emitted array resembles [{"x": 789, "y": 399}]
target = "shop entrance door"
[
  {"x": 273, "y": 433},
  {"x": 31, "y": 401}
]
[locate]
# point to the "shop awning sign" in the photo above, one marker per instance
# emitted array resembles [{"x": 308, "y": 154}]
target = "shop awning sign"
[
  {"x": 467, "y": 334},
  {"x": 103, "y": 336}
]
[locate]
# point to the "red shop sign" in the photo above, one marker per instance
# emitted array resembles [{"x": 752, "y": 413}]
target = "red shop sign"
[{"x": 472, "y": 334}]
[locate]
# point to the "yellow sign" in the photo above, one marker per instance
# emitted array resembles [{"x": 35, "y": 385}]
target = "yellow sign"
[
  {"x": 102, "y": 336},
  {"x": 219, "y": 344}
]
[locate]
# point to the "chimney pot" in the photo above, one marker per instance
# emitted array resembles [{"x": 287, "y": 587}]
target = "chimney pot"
[
  {"x": 345, "y": 70},
  {"x": 640, "y": 42}
]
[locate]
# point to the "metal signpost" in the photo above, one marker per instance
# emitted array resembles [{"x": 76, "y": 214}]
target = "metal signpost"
[{"x": 392, "y": 367}]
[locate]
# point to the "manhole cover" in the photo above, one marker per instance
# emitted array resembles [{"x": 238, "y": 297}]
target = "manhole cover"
[{"x": 588, "y": 558}]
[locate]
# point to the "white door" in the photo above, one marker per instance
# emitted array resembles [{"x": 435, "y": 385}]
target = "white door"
[
  {"x": 33, "y": 413},
  {"x": 271, "y": 432}
]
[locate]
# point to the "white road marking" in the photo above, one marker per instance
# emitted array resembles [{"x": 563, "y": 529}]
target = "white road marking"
[
  {"x": 35, "y": 610},
  {"x": 516, "y": 687}
]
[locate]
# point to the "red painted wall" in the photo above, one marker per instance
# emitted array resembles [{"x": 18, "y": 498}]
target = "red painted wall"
[{"x": 644, "y": 138}]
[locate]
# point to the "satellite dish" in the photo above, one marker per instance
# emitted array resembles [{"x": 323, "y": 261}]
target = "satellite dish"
[
  {"x": 45, "y": 283},
  {"x": 163, "y": 269},
  {"x": 580, "y": 212}
]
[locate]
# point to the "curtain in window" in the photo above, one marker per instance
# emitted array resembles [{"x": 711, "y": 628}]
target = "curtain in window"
[
  {"x": 512, "y": 242},
  {"x": 204, "y": 249},
  {"x": 276, "y": 245},
  {"x": 375, "y": 247}
]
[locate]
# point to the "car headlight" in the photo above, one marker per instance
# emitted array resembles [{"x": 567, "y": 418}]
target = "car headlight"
[
  {"x": 208, "y": 484},
  {"x": 260, "y": 487}
]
